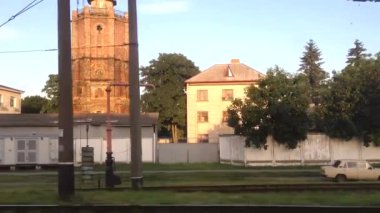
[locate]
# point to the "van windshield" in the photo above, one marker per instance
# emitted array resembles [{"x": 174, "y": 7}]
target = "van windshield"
[{"x": 336, "y": 163}]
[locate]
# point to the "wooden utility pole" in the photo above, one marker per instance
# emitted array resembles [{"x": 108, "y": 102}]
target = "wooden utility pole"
[
  {"x": 134, "y": 95},
  {"x": 65, "y": 117}
]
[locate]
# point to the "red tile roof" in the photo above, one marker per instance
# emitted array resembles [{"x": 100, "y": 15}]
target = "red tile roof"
[{"x": 234, "y": 72}]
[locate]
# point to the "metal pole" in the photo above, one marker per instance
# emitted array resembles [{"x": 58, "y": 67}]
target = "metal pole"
[
  {"x": 109, "y": 130},
  {"x": 65, "y": 117},
  {"x": 111, "y": 178},
  {"x": 134, "y": 95}
]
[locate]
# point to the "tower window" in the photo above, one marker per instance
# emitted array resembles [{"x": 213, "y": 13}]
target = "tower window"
[
  {"x": 99, "y": 28},
  {"x": 98, "y": 93},
  {"x": 79, "y": 91}
]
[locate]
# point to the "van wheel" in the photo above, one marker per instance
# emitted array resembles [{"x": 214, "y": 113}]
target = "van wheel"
[{"x": 340, "y": 178}]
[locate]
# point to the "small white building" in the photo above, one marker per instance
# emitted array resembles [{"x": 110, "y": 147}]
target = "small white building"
[{"x": 32, "y": 139}]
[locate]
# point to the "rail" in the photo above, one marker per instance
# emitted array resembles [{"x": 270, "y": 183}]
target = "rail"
[{"x": 259, "y": 187}]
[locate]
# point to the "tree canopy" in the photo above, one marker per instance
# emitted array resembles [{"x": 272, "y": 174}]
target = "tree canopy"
[
  {"x": 288, "y": 106},
  {"x": 356, "y": 53},
  {"x": 352, "y": 106},
  {"x": 310, "y": 66},
  {"x": 51, "y": 89},
  {"x": 33, "y": 104},
  {"x": 168, "y": 74},
  {"x": 277, "y": 106}
]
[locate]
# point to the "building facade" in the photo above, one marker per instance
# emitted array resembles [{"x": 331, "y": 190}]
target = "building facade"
[
  {"x": 32, "y": 139},
  {"x": 10, "y": 100},
  {"x": 100, "y": 56},
  {"x": 208, "y": 96}
]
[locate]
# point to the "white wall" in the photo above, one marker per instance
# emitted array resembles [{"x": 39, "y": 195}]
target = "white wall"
[
  {"x": 316, "y": 149},
  {"x": 47, "y": 143},
  {"x": 121, "y": 145},
  {"x": 1, "y": 150},
  {"x": 188, "y": 153}
]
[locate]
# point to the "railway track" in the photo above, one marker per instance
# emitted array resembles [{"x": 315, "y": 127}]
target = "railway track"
[
  {"x": 258, "y": 188},
  {"x": 272, "y": 187}
]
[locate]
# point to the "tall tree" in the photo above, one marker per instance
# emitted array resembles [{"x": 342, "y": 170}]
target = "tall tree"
[
  {"x": 51, "y": 89},
  {"x": 168, "y": 74},
  {"x": 311, "y": 63},
  {"x": 33, "y": 104},
  {"x": 277, "y": 107},
  {"x": 356, "y": 53},
  {"x": 352, "y": 106}
]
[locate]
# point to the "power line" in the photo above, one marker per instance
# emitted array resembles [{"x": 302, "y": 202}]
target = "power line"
[
  {"x": 27, "y": 51},
  {"x": 55, "y": 49},
  {"x": 26, "y": 8}
]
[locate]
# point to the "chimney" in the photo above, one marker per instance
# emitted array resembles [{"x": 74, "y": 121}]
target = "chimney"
[{"x": 235, "y": 61}]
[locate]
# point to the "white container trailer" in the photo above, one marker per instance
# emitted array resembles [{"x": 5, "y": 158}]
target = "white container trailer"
[{"x": 32, "y": 139}]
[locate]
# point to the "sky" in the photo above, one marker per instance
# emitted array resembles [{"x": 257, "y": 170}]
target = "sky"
[{"x": 261, "y": 33}]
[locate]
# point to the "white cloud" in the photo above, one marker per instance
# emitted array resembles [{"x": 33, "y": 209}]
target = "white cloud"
[
  {"x": 164, "y": 7},
  {"x": 7, "y": 34}
]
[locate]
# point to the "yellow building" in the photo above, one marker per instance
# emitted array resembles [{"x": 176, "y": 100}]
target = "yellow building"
[
  {"x": 208, "y": 96},
  {"x": 10, "y": 100}
]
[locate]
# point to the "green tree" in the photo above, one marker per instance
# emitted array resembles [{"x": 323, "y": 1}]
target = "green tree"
[
  {"x": 51, "y": 89},
  {"x": 352, "y": 106},
  {"x": 338, "y": 107},
  {"x": 310, "y": 66},
  {"x": 277, "y": 106},
  {"x": 367, "y": 111},
  {"x": 168, "y": 74},
  {"x": 33, "y": 104},
  {"x": 356, "y": 53}
]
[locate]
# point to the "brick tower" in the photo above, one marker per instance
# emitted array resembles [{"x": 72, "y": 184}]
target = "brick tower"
[{"x": 99, "y": 56}]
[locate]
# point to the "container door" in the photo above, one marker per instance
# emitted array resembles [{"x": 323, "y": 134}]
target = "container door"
[{"x": 26, "y": 151}]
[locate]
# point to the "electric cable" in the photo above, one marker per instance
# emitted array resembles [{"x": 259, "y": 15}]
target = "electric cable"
[
  {"x": 26, "y": 8},
  {"x": 55, "y": 49}
]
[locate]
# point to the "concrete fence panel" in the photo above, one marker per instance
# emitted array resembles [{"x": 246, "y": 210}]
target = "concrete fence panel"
[
  {"x": 316, "y": 149},
  {"x": 188, "y": 153}
]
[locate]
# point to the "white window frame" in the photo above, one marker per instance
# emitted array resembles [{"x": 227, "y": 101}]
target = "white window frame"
[{"x": 12, "y": 102}]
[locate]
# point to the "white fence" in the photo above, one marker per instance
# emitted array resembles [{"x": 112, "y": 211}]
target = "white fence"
[
  {"x": 188, "y": 153},
  {"x": 316, "y": 149}
]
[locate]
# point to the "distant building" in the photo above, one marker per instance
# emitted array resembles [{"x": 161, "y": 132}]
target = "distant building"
[
  {"x": 99, "y": 56},
  {"x": 32, "y": 139},
  {"x": 208, "y": 96},
  {"x": 10, "y": 100}
]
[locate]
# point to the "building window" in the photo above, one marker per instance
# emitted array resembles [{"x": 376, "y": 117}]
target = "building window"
[
  {"x": 225, "y": 117},
  {"x": 12, "y": 102},
  {"x": 202, "y": 95},
  {"x": 202, "y": 138},
  {"x": 79, "y": 91},
  {"x": 1, "y": 100},
  {"x": 227, "y": 95},
  {"x": 98, "y": 93},
  {"x": 202, "y": 116}
]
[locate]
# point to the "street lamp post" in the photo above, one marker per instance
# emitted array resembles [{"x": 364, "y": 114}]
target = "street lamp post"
[{"x": 111, "y": 179}]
